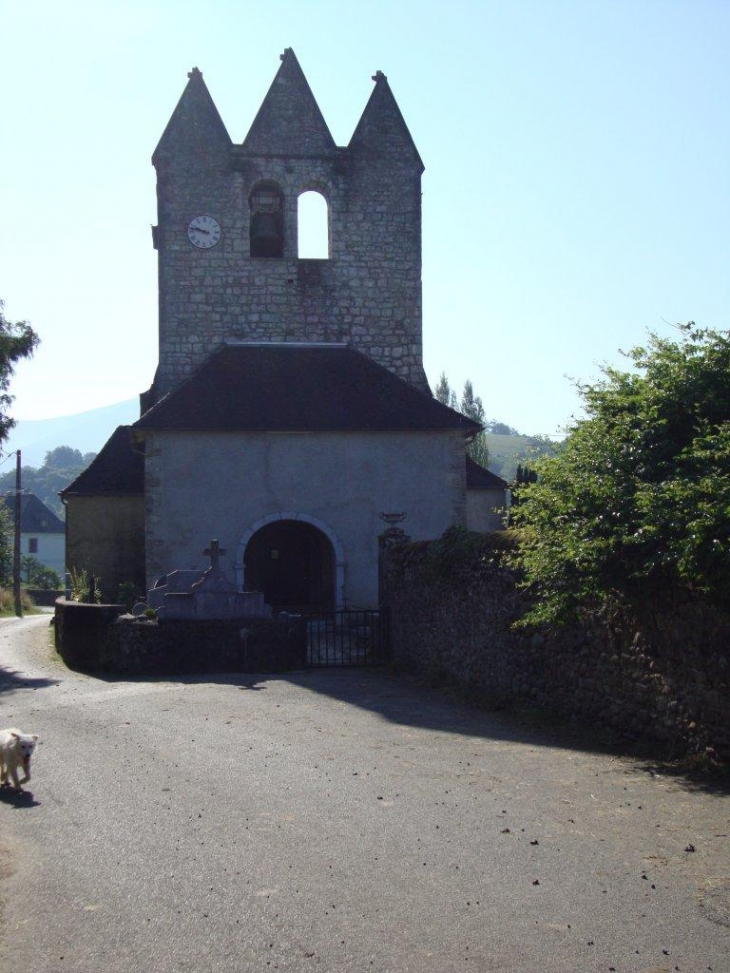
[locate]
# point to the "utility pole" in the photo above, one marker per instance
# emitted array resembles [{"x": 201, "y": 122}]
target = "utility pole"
[{"x": 16, "y": 549}]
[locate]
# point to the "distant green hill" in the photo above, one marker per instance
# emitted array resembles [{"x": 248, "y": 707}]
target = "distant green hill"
[
  {"x": 86, "y": 431},
  {"x": 506, "y": 452}
]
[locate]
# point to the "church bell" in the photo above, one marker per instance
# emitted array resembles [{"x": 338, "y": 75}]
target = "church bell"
[
  {"x": 267, "y": 239},
  {"x": 267, "y": 224}
]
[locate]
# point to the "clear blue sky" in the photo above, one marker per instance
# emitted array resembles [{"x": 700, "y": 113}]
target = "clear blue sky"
[{"x": 575, "y": 193}]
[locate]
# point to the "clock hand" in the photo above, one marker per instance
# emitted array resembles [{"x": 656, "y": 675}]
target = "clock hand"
[{"x": 199, "y": 229}]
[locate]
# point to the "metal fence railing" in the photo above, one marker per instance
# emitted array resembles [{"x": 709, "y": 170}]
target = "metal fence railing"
[{"x": 347, "y": 638}]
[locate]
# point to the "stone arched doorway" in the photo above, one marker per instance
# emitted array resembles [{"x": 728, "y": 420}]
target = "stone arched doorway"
[{"x": 295, "y": 561}]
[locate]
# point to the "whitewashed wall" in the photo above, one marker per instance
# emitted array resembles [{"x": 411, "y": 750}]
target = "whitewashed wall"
[{"x": 201, "y": 486}]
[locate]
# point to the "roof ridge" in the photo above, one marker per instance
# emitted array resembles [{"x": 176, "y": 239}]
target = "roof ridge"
[
  {"x": 237, "y": 342},
  {"x": 298, "y": 387}
]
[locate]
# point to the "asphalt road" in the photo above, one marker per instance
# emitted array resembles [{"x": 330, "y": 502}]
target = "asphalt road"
[{"x": 338, "y": 821}]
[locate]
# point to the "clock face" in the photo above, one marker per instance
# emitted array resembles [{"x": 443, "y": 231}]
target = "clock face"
[{"x": 204, "y": 232}]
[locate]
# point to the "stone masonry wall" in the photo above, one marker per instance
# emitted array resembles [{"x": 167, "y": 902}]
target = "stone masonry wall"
[
  {"x": 367, "y": 294},
  {"x": 662, "y": 676},
  {"x": 100, "y": 638},
  {"x": 105, "y": 538}
]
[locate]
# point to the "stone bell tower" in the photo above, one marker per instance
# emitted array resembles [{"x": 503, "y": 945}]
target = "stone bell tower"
[{"x": 227, "y": 231}]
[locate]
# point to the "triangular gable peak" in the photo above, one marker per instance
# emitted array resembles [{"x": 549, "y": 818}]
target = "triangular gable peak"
[
  {"x": 195, "y": 133},
  {"x": 382, "y": 132},
  {"x": 289, "y": 121}
]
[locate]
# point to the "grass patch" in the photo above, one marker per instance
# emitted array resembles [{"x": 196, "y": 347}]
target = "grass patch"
[{"x": 7, "y": 602}]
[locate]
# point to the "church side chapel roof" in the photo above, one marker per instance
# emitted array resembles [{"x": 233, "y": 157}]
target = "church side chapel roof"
[
  {"x": 480, "y": 478},
  {"x": 118, "y": 470},
  {"x": 35, "y": 516},
  {"x": 297, "y": 387}
]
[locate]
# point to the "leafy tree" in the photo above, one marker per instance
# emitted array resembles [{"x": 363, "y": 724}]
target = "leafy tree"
[
  {"x": 637, "y": 500},
  {"x": 502, "y": 458},
  {"x": 6, "y": 547},
  {"x": 48, "y": 481},
  {"x": 17, "y": 341},
  {"x": 64, "y": 458},
  {"x": 500, "y": 428},
  {"x": 444, "y": 393},
  {"x": 45, "y": 577},
  {"x": 479, "y": 450},
  {"x": 27, "y": 563},
  {"x": 523, "y": 475},
  {"x": 37, "y": 574},
  {"x": 472, "y": 407}
]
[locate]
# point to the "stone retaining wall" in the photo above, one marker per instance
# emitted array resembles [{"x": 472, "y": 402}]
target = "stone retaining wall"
[
  {"x": 661, "y": 675},
  {"x": 80, "y": 631},
  {"x": 43, "y": 596},
  {"x": 101, "y": 638}
]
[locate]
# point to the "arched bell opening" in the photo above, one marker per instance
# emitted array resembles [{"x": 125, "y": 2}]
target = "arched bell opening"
[
  {"x": 266, "y": 232},
  {"x": 294, "y": 564},
  {"x": 313, "y": 230}
]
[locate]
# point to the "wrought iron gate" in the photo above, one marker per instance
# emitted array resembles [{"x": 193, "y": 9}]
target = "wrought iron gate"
[{"x": 347, "y": 638}]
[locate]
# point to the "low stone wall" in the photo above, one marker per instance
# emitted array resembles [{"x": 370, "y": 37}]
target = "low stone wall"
[
  {"x": 101, "y": 638},
  {"x": 661, "y": 675},
  {"x": 44, "y": 596},
  {"x": 81, "y": 630}
]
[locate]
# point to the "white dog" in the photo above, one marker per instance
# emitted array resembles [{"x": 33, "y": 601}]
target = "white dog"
[{"x": 16, "y": 749}]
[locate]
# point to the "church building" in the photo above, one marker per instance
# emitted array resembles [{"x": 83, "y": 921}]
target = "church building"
[{"x": 289, "y": 417}]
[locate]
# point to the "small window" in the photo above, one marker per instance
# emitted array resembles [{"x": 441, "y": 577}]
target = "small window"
[
  {"x": 32, "y": 545},
  {"x": 267, "y": 222},
  {"x": 312, "y": 221}
]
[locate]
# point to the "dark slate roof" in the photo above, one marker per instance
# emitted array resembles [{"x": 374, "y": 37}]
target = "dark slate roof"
[
  {"x": 35, "y": 516},
  {"x": 297, "y": 387},
  {"x": 118, "y": 470},
  {"x": 479, "y": 478}
]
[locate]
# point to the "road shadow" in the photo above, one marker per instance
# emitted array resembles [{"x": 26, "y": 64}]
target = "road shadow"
[
  {"x": 12, "y": 680},
  {"x": 425, "y": 703},
  {"x": 18, "y": 800},
  {"x": 432, "y": 703},
  {"x": 694, "y": 773},
  {"x": 254, "y": 683}
]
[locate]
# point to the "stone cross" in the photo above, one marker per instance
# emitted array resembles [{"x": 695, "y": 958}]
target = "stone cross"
[{"x": 214, "y": 552}]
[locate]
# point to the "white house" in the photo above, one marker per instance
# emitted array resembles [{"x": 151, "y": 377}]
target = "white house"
[{"x": 42, "y": 533}]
